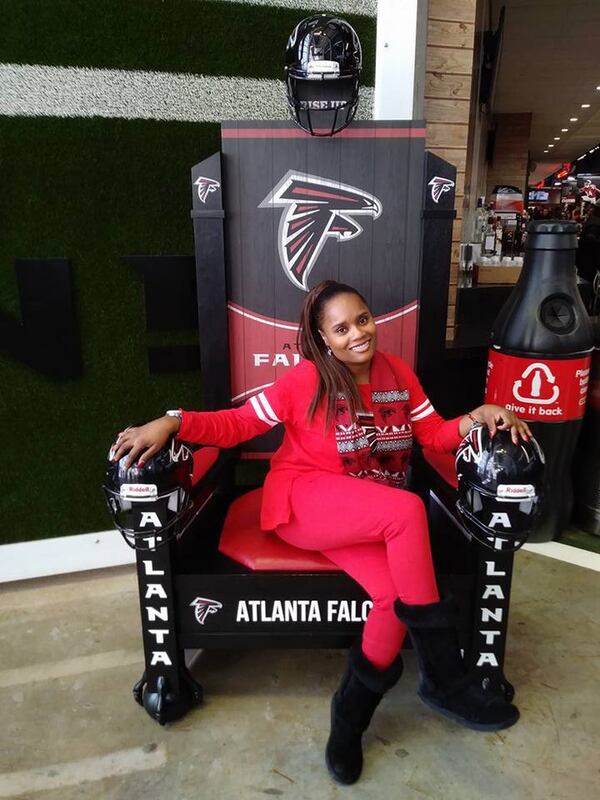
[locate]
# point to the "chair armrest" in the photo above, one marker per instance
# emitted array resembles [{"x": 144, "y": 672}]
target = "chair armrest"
[{"x": 204, "y": 458}]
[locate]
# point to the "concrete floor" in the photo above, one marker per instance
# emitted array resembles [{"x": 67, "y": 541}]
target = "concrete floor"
[{"x": 71, "y": 649}]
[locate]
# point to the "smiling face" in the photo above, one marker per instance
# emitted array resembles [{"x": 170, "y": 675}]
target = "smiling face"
[{"x": 348, "y": 327}]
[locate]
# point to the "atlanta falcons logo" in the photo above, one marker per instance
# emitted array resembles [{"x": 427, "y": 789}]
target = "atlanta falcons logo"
[
  {"x": 439, "y": 186},
  {"x": 203, "y": 607},
  {"x": 315, "y": 208},
  {"x": 205, "y": 187},
  {"x": 471, "y": 447}
]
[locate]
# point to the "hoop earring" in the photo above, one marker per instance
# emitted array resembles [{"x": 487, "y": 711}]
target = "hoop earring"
[{"x": 329, "y": 351}]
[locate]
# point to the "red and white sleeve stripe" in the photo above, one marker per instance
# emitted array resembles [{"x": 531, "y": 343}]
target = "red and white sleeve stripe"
[
  {"x": 233, "y": 426},
  {"x": 264, "y": 410},
  {"x": 421, "y": 411}
]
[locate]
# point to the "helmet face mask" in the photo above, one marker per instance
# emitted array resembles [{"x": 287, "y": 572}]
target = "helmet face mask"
[
  {"x": 323, "y": 64},
  {"x": 499, "y": 488},
  {"x": 150, "y": 505}
]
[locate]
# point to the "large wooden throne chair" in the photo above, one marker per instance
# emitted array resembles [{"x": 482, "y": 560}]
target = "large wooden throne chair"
[{"x": 273, "y": 213}]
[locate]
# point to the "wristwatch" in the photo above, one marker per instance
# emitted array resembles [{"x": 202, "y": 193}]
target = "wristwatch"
[{"x": 175, "y": 412}]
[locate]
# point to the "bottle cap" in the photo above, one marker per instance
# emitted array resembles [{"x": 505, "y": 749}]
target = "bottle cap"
[{"x": 552, "y": 234}]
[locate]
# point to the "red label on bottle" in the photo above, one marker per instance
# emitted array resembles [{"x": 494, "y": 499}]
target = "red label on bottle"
[{"x": 538, "y": 390}]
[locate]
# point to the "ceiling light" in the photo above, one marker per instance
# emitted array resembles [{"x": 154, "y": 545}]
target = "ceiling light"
[
  {"x": 585, "y": 105},
  {"x": 564, "y": 130},
  {"x": 572, "y": 119},
  {"x": 550, "y": 145},
  {"x": 545, "y": 151},
  {"x": 598, "y": 88},
  {"x": 557, "y": 138},
  {"x": 583, "y": 156}
]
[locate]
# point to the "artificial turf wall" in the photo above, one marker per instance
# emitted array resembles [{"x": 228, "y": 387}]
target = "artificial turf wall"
[{"x": 94, "y": 189}]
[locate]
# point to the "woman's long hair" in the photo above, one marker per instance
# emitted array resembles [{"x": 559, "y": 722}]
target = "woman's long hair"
[{"x": 334, "y": 377}]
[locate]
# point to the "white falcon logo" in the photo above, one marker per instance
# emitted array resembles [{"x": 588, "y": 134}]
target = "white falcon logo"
[
  {"x": 205, "y": 187},
  {"x": 471, "y": 447},
  {"x": 315, "y": 209},
  {"x": 439, "y": 186},
  {"x": 203, "y": 607}
]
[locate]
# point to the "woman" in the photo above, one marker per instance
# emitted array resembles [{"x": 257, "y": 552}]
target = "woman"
[{"x": 336, "y": 485}]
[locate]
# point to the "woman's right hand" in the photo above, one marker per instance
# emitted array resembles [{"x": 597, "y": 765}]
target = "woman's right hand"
[{"x": 143, "y": 442}]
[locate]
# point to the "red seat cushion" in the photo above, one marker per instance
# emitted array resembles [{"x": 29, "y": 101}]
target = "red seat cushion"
[
  {"x": 204, "y": 458},
  {"x": 443, "y": 464},
  {"x": 243, "y": 540}
]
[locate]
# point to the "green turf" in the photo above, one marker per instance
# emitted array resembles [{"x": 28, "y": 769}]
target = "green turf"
[
  {"x": 92, "y": 191},
  {"x": 176, "y": 36},
  {"x": 578, "y": 538}
]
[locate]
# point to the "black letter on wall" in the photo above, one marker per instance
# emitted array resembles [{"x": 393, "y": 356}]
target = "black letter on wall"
[
  {"x": 170, "y": 295},
  {"x": 47, "y": 337}
]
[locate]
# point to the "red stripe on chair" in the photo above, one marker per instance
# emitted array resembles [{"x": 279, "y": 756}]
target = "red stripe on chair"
[{"x": 347, "y": 133}]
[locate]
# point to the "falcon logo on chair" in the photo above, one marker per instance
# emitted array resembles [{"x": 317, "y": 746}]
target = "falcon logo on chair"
[
  {"x": 439, "y": 186},
  {"x": 205, "y": 187},
  {"x": 315, "y": 208},
  {"x": 203, "y": 607}
]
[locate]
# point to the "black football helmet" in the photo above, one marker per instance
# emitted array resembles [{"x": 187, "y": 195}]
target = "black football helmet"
[
  {"x": 499, "y": 487},
  {"x": 150, "y": 504},
  {"x": 323, "y": 60}
]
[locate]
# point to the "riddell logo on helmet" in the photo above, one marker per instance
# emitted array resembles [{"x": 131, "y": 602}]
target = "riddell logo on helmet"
[
  {"x": 139, "y": 491},
  {"x": 514, "y": 491}
]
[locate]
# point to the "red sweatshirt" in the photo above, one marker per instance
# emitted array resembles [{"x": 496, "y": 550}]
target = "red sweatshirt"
[{"x": 306, "y": 447}]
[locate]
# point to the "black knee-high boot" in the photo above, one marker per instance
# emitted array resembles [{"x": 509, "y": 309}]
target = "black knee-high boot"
[
  {"x": 352, "y": 706},
  {"x": 445, "y": 683}
]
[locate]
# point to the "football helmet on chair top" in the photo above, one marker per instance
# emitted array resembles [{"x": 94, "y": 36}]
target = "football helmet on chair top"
[
  {"x": 323, "y": 60},
  {"x": 499, "y": 487},
  {"x": 149, "y": 504}
]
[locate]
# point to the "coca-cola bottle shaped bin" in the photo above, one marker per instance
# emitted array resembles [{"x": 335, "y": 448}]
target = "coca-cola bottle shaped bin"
[{"x": 539, "y": 361}]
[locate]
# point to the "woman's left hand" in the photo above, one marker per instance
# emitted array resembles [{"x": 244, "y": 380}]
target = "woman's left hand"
[{"x": 500, "y": 418}]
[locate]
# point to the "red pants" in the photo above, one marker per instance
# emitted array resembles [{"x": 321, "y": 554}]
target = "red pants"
[{"x": 379, "y": 536}]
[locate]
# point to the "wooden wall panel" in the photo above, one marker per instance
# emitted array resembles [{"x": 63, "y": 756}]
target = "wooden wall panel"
[
  {"x": 438, "y": 84},
  {"x": 511, "y": 151},
  {"x": 444, "y": 134},
  {"x": 450, "y": 38},
  {"x": 449, "y": 60},
  {"x": 454, "y": 155},
  {"x": 442, "y": 33},
  {"x": 457, "y": 230},
  {"x": 452, "y": 10},
  {"x": 447, "y": 110}
]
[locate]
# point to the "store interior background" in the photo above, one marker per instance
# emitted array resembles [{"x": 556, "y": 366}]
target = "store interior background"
[{"x": 542, "y": 77}]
